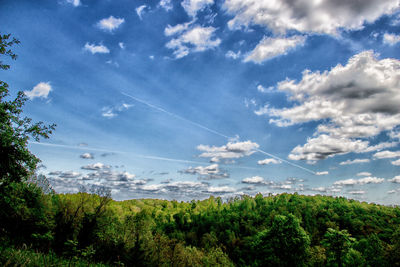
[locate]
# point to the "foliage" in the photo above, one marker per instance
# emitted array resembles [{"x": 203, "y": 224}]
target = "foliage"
[
  {"x": 27, "y": 257},
  {"x": 17, "y": 162}
]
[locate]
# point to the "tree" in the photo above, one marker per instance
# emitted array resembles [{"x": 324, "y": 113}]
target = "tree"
[
  {"x": 284, "y": 244},
  {"x": 338, "y": 245},
  {"x": 17, "y": 162}
]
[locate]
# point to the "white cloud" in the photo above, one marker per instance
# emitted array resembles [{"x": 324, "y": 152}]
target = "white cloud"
[
  {"x": 195, "y": 39},
  {"x": 172, "y": 30},
  {"x": 207, "y": 172},
  {"x": 87, "y": 156},
  {"x": 268, "y": 161},
  {"x": 110, "y": 24},
  {"x": 357, "y": 192},
  {"x": 111, "y": 112},
  {"x": 108, "y": 113},
  {"x": 387, "y": 154},
  {"x": 121, "y": 45},
  {"x": 40, "y": 90},
  {"x": 254, "y": 180},
  {"x": 322, "y": 173},
  {"x": 92, "y": 48},
  {"x": 391, "y": 39},
  {"x": 356, "y": 100},
  {"x": 262, "y": 89},
  {"x": 395, "y": 179},
  {"x": 140, "y": 10},
  {"x": 95, "y": 166},
  {"x": 233, "y": 55},
  {"x": 396, "y": 162},
  {"x": 325, "y": 146},
  {"x": 193, "y": 6},
  {"x": 364, "y": 174},
  {"x": 69, "y": 174},
  {"x": 361, "y": 181},
  {"x": 220, "y": 189},
  {"x": 270, "y": 47},
  {"x": 322, "y": 16},
  {"x": 231, "y": 150},
  {"x": 75, "y": 3},
  {"x": 354, "y": 161},
  {"x": 395, "y": 135},
  {"x": 166, "y": 4}
]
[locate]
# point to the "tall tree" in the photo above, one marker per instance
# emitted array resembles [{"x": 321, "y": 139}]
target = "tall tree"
[{"x": 17, "y": 163}]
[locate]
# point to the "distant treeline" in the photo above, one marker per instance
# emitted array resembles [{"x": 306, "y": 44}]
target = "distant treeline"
[{"x": 285, "y": 230}]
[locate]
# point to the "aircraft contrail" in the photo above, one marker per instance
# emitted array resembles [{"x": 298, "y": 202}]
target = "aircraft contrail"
[
  {"x": 212, "y": 131},
  {"x": 119, "y": 152},
  {"x": 85, "y": 148}
]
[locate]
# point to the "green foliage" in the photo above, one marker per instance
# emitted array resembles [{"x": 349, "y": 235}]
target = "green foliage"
[
  {"x": 338, "y": 246},
  {"x": 17, "y": 163},
  {"x": 284, "y": 244},
  {"x": 26, "y": 257},
  {"x": 23, "y": 215}
]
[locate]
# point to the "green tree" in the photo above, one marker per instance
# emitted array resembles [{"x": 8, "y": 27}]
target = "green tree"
[
  {"x": 17, "y": 162},
  {"x": 337, "y": 244},
  {"x": 284, "y": 244}
]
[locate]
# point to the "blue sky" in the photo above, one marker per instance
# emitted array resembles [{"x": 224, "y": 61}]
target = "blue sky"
[{"x": 187, "y": 99}]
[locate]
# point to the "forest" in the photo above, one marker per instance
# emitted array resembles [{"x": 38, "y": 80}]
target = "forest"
[{"x": 39, "y": 227}]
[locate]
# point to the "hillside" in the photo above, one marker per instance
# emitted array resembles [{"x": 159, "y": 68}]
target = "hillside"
[{"x": 282, "y": 230}]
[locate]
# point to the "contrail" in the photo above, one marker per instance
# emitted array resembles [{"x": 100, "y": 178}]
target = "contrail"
[
  {"x": 212, "y": 131},
  {"x": 131, "y": 154},
  {"x": 176, "y": 116},
  {"x": 120, "y": 152},
  {"x": 286, "y": 161}
]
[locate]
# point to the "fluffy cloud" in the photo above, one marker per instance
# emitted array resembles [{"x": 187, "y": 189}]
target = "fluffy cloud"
[
  {"x": 323, "y": 16},
  {"x": 396, "y": 162},
  {"x": 395, "y": 179},
  {"x": 40, "y": 90},
  {"x": 166, "y": 4},
  {"x": 391, "y": 39},
  {"x": 322, "y": 173},
  {"x": 110, "y": 24},
  {"x": 194, "y": 39},
  {"x": 364, "y": 174},
  {"x": 95, "y": 166},
  {"x": 361, "y": 181},
  {"x": 220, "y": 189},
  {"x": 231, "y": 150},
  {"x": 140, "y": 10},
  {"x": 92, "y": 48},
  {"x": 354, "y": 161},
  {"x": 268, "y": 161},
  {"x": 262, "y": 89},
  {"x": 193, "y": 6},
  {"x": 271, "y": 47},
  {"x": 66, "y": 174},
  {"x": 87, "y": 156},
  {"x": 387, "y": 154},
  {"x": 357, "y": 100},
  {"x": 178, "y": 28},
  {"x": 111, "y": 112},
  {"x": 325, "y": 146},
  {"x": 207, "y": 172},
  {"x": 233, "y": 55},
  {"x": 256, "y": 180},
  {"x": 75, "y": 3}
]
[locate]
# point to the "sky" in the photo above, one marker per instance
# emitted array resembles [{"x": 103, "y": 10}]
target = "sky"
[{"x": 187, "y": 99}]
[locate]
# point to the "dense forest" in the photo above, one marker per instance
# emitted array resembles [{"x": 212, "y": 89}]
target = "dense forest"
[
  {"x": 39, "y": 227},
  {"x": 282, "y": 230}
]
